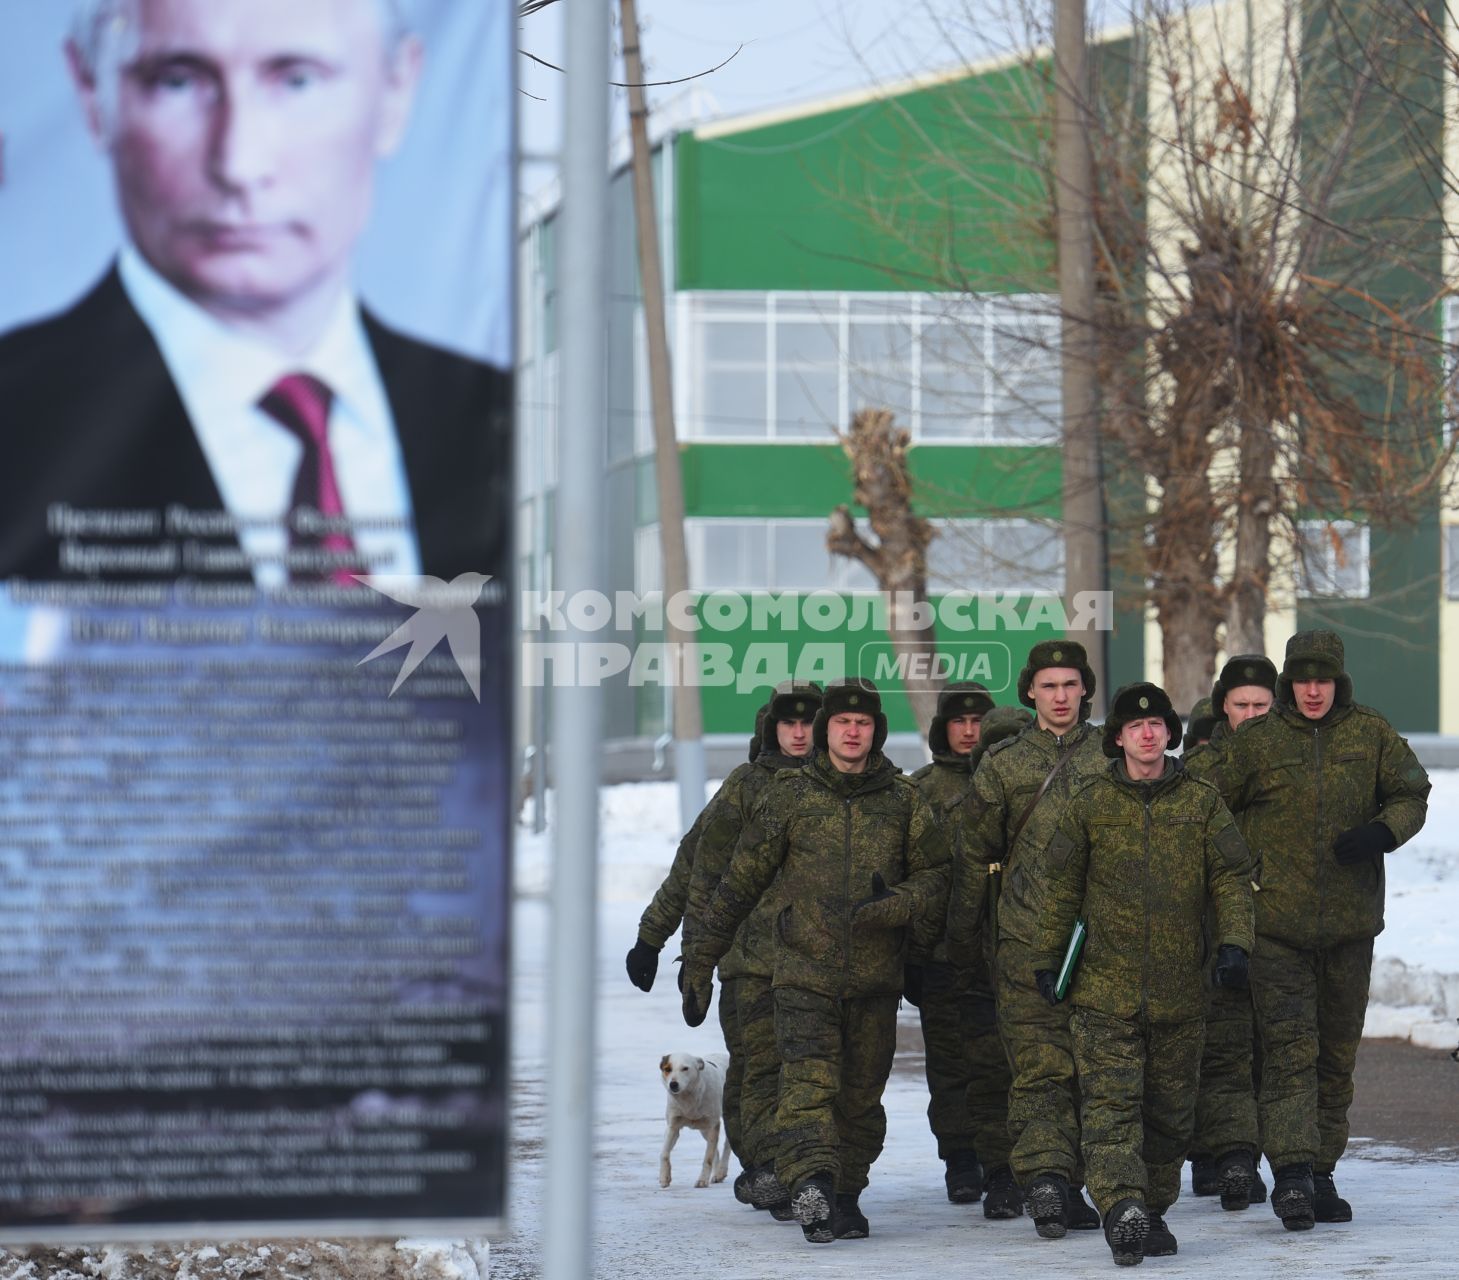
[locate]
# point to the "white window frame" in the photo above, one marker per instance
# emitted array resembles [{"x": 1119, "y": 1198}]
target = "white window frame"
[
  {"x": 1314, "y": 537},
  {"x": 843, "y": 310}
]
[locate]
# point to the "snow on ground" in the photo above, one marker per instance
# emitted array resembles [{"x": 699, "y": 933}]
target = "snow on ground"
[
  {"x": 1407, "y": 1207},
  {"x": 1415, "y": 991}
]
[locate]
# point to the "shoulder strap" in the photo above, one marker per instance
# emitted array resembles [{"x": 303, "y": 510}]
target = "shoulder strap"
[{"x": 1039, "y": 795}]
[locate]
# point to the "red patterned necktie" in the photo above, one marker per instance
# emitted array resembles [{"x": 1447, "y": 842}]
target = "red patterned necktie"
[{"x": 300, "y": 403}]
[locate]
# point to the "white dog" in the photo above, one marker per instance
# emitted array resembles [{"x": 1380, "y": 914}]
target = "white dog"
[{"x": 695, "y": 1086}]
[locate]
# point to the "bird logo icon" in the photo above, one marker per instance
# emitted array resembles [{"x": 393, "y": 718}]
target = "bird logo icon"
[{"x": 443, "y": 611}]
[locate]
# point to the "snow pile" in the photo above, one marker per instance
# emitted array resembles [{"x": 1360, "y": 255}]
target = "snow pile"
[
  {"x": 409, "y": 1259},
  {"x": 1415, "y": 990}
]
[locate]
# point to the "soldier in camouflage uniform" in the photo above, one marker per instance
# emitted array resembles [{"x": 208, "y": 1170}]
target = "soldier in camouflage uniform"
[
  {"x": 1227, "y": 1144},
  {"x": 1141, "y": 853},
  {"x": 661, "y": 918},
  {"x": 746, "y": 1005},
  {"x": 827, "y": 841},
  {"x": 1018, "y": 793},
  {"x": 1198, "y": 725},
  {"x": 1323, "y": 788},
  {"x": 959, "y": 1072}
]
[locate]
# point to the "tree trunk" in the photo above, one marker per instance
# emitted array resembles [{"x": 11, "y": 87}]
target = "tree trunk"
[
  {"x": 898, "y": 558},
  {"x": 1256, "y": 508}
]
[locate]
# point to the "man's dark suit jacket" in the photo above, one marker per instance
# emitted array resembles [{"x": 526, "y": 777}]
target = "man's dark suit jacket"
[{"x": 89, "y": 416}]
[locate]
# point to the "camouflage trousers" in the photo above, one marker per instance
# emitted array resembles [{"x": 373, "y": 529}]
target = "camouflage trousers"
[
  {"x": 835, "y": 1056},
  {"x": 1226, "y": 1103},
  {"x": 1137, "y": 1084},
  {"x": 729, "y": 1025},
  {"x": 760, "y": 1081},
  {"x": 949, "y": 1072},
  {"x": 1043, "y": 1101},
  {"x": 1310, "y": 1006}
]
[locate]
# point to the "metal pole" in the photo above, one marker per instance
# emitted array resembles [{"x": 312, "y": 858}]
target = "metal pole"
[
  {"x": 1083, "y": 505},
  {"x": 577, "y": 709},
  {"x": 688, "y": 720}
]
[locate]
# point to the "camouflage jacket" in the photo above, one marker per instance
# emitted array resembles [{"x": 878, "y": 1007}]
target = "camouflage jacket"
[
  {"x": 662, "y": 916},
  {"x": 1139, "y": 862},
  {"x": 1219, "y": 734},
  {"x": 1295, "y": 785},
  {"x": 753, "y": 952},
  {"x": 814, "y": 840},
  {"x": 1006, "y": 780},
  {"x": 944, "y": 784}
]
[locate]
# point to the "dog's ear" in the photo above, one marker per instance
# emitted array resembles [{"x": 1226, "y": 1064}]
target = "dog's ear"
[
  {"x": 664, "y": 1064},
  {"x": 700, "y": 1061}
]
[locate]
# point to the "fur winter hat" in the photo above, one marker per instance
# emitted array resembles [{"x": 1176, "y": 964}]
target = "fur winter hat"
[
  {"x": 1057, "y": 653},
  {"x": 790, "y": 701},
  {"x": 962, "y": 698},
  {"x": 1136, "y": 702},
  {"x": 1242, "y": 670},
  {"x": 1199, "y": 724},
  {"x": 855, "y": 693},
  {"x": 1315, "y": 655},
  {"x": 1003, "y": 722}
]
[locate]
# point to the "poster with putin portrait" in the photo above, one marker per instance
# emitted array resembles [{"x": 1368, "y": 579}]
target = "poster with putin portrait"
[{"x": 256, "y": 641}]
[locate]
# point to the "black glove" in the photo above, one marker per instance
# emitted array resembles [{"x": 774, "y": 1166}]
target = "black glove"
[
  {"x": 1232, "y": 967},
  {"x": 643, "y": 964},
  {"x": 912, "y": 976},
  {"x": 1367, "y": 841},
  {"x": 884, "y": 909},
  {"x": 1045, "y": 980},
  {"x": 698, "y": 988}
]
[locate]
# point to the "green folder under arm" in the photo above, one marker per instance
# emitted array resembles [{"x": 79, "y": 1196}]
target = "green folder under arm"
[{"x": 1071, "y": 958}]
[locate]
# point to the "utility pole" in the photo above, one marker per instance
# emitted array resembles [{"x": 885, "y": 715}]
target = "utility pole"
[
  {"x": 688, "y": 720},
  {"x": 577, "y": 710},
  {"x": 1083, "y": 496}
]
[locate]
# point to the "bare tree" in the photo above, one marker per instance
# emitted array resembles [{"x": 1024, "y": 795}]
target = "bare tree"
[
  {"x": 1268, "y": 221},
  {"x": 897, "y": 558}
]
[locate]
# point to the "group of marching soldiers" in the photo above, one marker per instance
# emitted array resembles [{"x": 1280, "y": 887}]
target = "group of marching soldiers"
[{"x": 1122, "y": 958}]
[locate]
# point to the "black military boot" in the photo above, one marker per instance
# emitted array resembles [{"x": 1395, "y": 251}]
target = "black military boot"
[
  {"x": 814, "y": 1199},
  {"x": 1205, "y": 1181},
  {"x": 1125, "y": 1227},
  {"x": 847, "y": 1220},
  {"x": 766, "y": 1190},
  {"x": 1003, "y": 1198},
  {"x": 1327, "y": 1205},
  {"x": 1081, "y": 1216},
  {"x": 1292, "y": 1195},
  {"x": 964, "y": 1177},
  {"x": 742, "y": 1185},
  {"x": 1048, "y": 1205},
  {"x": 1159, "y": 1239},
  {"x": 1235, "y": 1171},
  {"x": 781, "y": 1210}
]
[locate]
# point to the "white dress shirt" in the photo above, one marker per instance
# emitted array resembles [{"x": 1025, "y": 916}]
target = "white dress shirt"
[{"x": 221, "y": 377}]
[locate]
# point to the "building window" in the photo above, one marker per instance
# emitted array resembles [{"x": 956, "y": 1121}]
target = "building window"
[
  {"x": 982, "y": 556},
  {"x": 1333, "y": 559},
  {"x": 1451, "y": 561},
  {"x": 797, "y": 366},
  {"x": 1019, "y": 557},
  {"x": 1450, "y": 339}
]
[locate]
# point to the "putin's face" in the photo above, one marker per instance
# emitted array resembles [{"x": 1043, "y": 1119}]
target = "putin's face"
[{"x": 244, "y": 136}]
